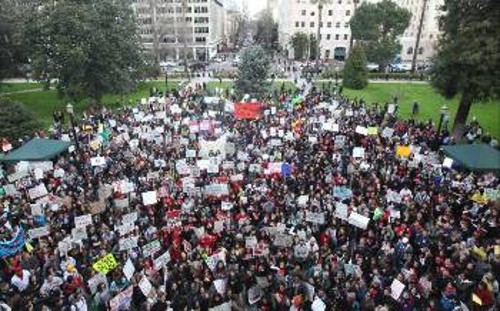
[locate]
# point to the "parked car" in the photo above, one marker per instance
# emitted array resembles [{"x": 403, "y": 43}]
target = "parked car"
[{"x": 372, "y": 67}]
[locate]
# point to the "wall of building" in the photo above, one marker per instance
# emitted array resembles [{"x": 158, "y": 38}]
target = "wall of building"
[
  {"x": 301, "y": 16},
  {"x": 163, "y": 29}
]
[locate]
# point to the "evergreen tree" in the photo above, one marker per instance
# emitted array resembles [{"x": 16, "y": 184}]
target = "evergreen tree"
[
  {"x": 468, "y": 61},
  {"x": 355, "y": 73},
  {"x": 252, "y": 72},
  {"x": 17, "y": 122}
]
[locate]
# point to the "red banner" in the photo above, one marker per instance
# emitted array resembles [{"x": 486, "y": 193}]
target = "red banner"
[{"x": 247, "y": 111}]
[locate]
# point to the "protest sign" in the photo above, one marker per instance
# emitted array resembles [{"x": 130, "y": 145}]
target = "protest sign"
[
  {"x": 283, "y": 240},
  {"x": 302, "y": 200},
  {"x": 448, "y": 162},
  {"x": 17, "y": 175},
  {"x": 388, "y": 132},
  {"x": 361, "y": 130},
  {"x": 358, "y": 152},
  {"x": 128, "y": 269},
  {"x": 341, "y": 211},
  {"x": 145, "y": 286},
  {"x": 226, "y": 206},
  {"x": 372, "y": 130},
  {"x": 190, "y": 153},
  {"x": 317, "y": 218},
  {"x": 38, "y": 192},
  {"x": 38, "y": 232},
  {"x": 403, "y": 151},
  {"x": 122, "y": 301},
  {"x": 220, "y": 285},
  {"x": 105, "y": 264},
  {"x": 121, "y": 203},
  {"x": 341, "y": 192},
  {"x": 151, "y": 248},
  {"x": 79, "y": 234},
  {"x": 128, "y": 243},
  {"x": 149, "y": 197},
  {"x": 129, "y": 218},
  {"x": 223, "y": 307},
  {"x": 397, "y": 289},
  {"x": 254, "y": 294},
  {"x": 161, "y": 261},
  {"x": 358, "y": 220},
  {"x": 250, "y": 111},
  {"x": 98, "y": 161},
  {"x": 83, "y": 221},
  {"x": 318, "y": 304},
  {"x": 36, "y": 209},
  {"x": 213, "y": 260},
  {"x": 216, "y": 189}
]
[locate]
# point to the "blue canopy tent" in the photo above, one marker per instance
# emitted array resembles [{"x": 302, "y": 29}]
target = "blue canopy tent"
[{"x": 37, "y": 149}]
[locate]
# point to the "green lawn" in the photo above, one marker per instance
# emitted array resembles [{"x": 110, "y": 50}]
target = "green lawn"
[
  {"x": 44, "y": 103},
  {"x": 487, "y": 113},
  {"x": 17, "y": 87}
]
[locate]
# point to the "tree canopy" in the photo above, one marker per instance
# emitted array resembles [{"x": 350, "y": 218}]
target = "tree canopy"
[
  {"x": 91, "y": 47},
  {"x": 300, "y": 42},
  {"x": 17, "y": 122},
  {"x": 355, "y": 72},
  {"x": 378, "y": 27},
  {"x": 252, "y": 72},
  {"x": 266, "y": 33},
  {"x": 467, "y": 61}
]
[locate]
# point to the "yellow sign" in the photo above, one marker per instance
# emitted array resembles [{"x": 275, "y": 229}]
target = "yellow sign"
[
  {"x": 372, "y": 130},
  {"x": 105, "y": 264},
  {"x": 403, "y": 151},
  {"x": 479, "y": 252},
  {"x": 476, "y": 299}
]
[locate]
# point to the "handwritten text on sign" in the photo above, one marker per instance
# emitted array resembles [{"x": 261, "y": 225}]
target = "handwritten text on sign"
[{"x": 105, "y": 264}]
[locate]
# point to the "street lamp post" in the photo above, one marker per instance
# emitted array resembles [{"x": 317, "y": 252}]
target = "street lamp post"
[
  {"x": 443, "y": 111},
  {"x": 71, "y": 113}
]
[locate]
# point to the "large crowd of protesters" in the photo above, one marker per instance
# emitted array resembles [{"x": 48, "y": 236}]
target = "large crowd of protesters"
[{"x": 318, "y": 202}]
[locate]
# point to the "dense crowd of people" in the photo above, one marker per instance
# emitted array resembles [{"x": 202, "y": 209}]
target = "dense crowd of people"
[{"x": 315, "y": 202}]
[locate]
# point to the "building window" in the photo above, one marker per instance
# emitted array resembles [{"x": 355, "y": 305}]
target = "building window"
[
  {"x": 311, "y": 24},
  {"x": 312, "y": 13},
  {"x": 346, "y": 37},
  {"x": 321, "y": 24},
  {"x": 409, "y": 51},
  {"x": 201, "y": 30},
  {"x": 431, "y": 36},
  {"x": 337, "y": 37},
  {"x": 303, "y": 12},
  {"x": 346, "y": 25},
  {"x": 328, "y": 37},
  {"x": 337, "y": 25},
  {"x": 330, "y": 12},
  {"x": 329, "y": 24},
  {"x": 348, "y": 13},
  {"x": 420, "y": 50},
  {"x": 297, "y": 24},
  {"x": 200, "y": 39},
  {"x": 340, "y": 2},
  {"x": 303, "y": 24},
  {"x": 320, "y": 36}
]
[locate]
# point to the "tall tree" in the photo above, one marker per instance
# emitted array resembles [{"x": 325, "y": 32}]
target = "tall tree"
[
  {"x": 355, "y": 73},
  {"x": 378, "y": 27},
  {"x": 266, "y": 33},
  {"x": 13, "y": 55},
  {"x": 467, "y": 61},
  {"x": 313, "y": 47},
  {"x": 320, "y": 4},
  {"x": 252, "y": 72},
  {"x": 91, "y": 47},
  {"x": 17, "y": 122},
  {"x": 419, "y": 34},
  {"x": 300, "y": 42}
]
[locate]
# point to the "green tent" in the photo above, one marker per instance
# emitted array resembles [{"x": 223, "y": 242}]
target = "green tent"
[
  {"x": 37, "y": 149},
  {"x": 475, "y": 157}
]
